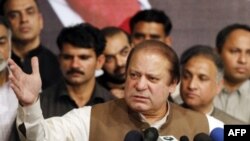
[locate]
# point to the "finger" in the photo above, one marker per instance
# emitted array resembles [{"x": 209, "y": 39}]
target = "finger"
[
  {"x": 35, "y": 65},
  {"x": 15, "y": 70},
  {"x": 14, "y": 81},
  {"x": 16, "y": 91},
  {"x": 15, "y": 87}
]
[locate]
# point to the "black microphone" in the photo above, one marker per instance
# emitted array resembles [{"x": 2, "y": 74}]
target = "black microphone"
[
  {"x": 133, "y": 135},
  {"x": 202, "y": 137},
  {"x": 150, "y": 134},
  {"x": 184, "y": 138}
]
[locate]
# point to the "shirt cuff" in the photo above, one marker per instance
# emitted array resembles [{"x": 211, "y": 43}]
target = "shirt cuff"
[{"x": 30, "y": 113}]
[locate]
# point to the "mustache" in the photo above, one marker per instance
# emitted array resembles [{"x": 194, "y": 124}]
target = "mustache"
[{"x": 74, "y": 70}]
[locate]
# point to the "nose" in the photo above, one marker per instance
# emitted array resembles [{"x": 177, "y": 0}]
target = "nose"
[
  {"x": 75, "y": 62},
  {"x": 192, "y": 83},
  {"x": 119, "y": 60},
  {"x": 242, "y": 58},
  {"x": 141, "y": 84},
  {"x": 147, "y": 38},
  {"x": 24, "y": 17}
]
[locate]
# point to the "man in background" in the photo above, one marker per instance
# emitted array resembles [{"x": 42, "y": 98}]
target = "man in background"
[
  {"x": 116, "y": 52},
  {"x": 233, "y": 45},
  {"x": 151, "y": 24},
  {"x": 202, "y": 80},
  {"x": 81, "y": 53},
  {"x": 26, "y": 24}
]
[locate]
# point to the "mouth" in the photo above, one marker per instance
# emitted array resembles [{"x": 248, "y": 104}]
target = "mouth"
[
  {"x": 24, "y": 29},
  {"x": 191, "y": 95},
  {"x": 140, "y": 98},
  {"x": 241, "y": 69},
  {"x": 75, "y": 74}
]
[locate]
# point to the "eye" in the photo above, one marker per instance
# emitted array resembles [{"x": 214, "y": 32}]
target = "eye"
[
  {"x": 125, "y": 51},
  {"x": 203, "y": 78},
  {"x": 234, "y": 51},
  {"x": 13, "y": 15},
  {"x": 185, "y": 75},
  {"x": 66, "y": 57},
  {"x": 109, "y": 58},
  {"x": 3, "y": 41},
  {"x": 153, "y": 79},
  {"x": 84, "y": 57},
  {"x": 134, "y": 75},
  {"x": 139, "y": 36},
  {"x": 155, "y": 37},
  {"x": 31, "y": 11}
]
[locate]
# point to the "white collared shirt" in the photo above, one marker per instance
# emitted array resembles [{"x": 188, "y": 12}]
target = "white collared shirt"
[{"x": 8, "y": 110}]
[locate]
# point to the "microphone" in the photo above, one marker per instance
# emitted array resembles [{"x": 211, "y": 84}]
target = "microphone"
[
  {"x": 133, "y": 135},
  {"x": 150, "y": 134},
  {"x": 167, "y": 138},
  {"x": 202, "y": 137},
  {"x": 217, "y": 134},
  {"x": 184, "y": 138}
]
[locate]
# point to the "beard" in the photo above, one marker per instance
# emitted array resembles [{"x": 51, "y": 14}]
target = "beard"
[
  {"x": 116, "y": 79},
  {"x": 3, "y": 63}
]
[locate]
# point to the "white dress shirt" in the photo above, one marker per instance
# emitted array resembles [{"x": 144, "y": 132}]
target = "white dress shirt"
[{"x": 8, "y": 110}]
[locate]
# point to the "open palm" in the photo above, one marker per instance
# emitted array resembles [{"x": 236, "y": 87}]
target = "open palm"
[{"x": 25, "y": 86}]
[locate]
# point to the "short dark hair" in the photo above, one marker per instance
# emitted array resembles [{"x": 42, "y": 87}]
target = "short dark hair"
[
  {"x": 82, "y": 35},
  {"x": 152, "y": 15},
  {"x": 4, "y": 21},
  {"x": 161, "y": 49},
  {"x": 110, "y": 31},
  {"x": 3, "y": 2},
  {"x": 225, "y": 32},
  {"x": 205, "y": 51}
]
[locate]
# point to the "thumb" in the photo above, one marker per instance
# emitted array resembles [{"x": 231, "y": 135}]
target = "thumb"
[{"x": 35, "y": 65}]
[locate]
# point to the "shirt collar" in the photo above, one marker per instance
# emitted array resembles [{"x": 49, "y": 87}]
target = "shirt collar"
[
  {"x": 96, "y": 97},
  {"x": 242, "y": 90},
  {"x": 160, "y": 122}
]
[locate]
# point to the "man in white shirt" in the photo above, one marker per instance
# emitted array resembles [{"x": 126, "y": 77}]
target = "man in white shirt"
[
  {"x": 233, "y": 45},
  {"x": 8, "y": 100},
  {"x": 152, "y": 73}
]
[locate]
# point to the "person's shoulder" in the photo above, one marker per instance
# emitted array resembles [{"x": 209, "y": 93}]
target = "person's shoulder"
[
  {"x": 111, "y": 104},
  {"x": 45, "y": 51},
  {"x": 183, "y": 110},
  {"x": 51, "y": 91},
  {"x": 226, "y": 118},
  {"x": 103, "y": 92}
]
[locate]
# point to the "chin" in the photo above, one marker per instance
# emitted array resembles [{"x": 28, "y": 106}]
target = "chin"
[{"x": 139, "y": 107}]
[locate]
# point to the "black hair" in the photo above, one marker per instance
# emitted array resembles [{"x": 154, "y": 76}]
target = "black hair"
[
  {"x": 82, "y": 35},
  {"x": 161, "y": 49},
  {"x": 205, "y": 51},
  {"x": 225, "y": 32},
  {"x": 152, "y": 15}
]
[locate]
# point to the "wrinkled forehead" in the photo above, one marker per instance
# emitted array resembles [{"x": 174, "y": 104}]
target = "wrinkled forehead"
[{"x": 153, "y": 58}]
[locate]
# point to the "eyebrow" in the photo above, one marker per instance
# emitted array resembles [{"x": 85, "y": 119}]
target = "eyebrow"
[
  {"x": 3, "y": 37},
  {"x": 125, "y": 47}
]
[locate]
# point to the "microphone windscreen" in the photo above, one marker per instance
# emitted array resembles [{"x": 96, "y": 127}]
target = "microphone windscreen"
[
  {"x": 184, "y": 138},
  {"x": 217, "y": 134},
  {"x": 133, "y": 136},
  {"x": 150, "y": 134},
  {"x": 202, "y": 137}
]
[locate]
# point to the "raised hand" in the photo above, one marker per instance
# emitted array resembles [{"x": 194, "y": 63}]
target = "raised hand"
[{"x": 25, "y": 86}]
